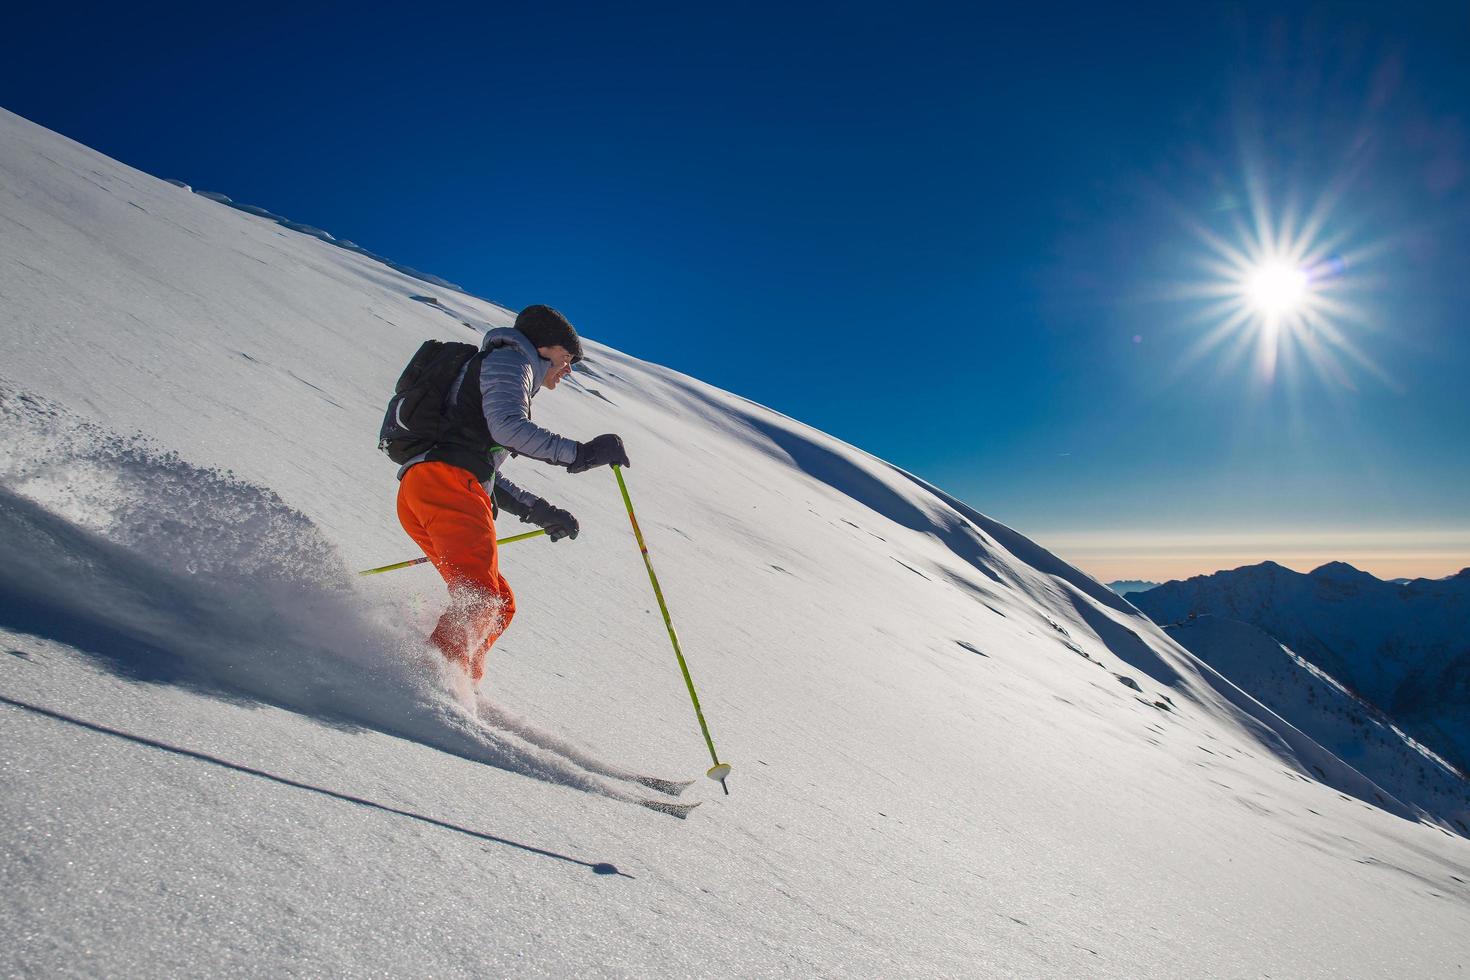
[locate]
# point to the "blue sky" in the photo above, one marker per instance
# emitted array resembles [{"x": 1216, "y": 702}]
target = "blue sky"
[{"x": 968, "y": 240}]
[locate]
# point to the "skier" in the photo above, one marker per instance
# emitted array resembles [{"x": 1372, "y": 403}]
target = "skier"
[{"x": 449, "y": 495}]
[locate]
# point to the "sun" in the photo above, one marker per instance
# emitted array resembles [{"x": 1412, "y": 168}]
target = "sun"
[{"x": 1277, "y": 288}]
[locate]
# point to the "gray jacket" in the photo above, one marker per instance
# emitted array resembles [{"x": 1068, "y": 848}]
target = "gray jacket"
[{"x": 509, "y": 378}]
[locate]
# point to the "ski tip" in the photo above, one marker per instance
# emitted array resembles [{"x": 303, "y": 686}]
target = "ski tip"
[
  {"x": 673, "y": 787},
  {"x": 680, "y": 810}
]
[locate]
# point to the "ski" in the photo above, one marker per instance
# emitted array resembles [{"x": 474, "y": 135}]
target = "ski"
[
  {"x": 500, "y": 719},
  {"x": 672, "y": 787},
  {"x": 680, "y": 810}
]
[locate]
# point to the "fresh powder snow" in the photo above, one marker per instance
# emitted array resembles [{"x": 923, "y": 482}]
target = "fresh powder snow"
[{"x": 222, "y": 752}]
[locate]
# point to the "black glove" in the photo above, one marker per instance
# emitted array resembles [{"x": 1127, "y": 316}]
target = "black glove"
[
  {"x": 558, "y": 523},
  {"x": 603, "y": 451}
]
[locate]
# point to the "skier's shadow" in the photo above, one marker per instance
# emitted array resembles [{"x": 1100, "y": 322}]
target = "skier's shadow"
[{"x": 601, "y": 868}]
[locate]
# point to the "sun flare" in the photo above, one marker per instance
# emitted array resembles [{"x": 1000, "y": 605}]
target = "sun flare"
[{"x": 1276, "y": 291}]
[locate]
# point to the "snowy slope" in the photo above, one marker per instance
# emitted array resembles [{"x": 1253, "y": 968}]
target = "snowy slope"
[
  {"x": 1322, "y": 708},
  {"x": 222, "y": 752},
  {"x": 1405, "y": 648}
]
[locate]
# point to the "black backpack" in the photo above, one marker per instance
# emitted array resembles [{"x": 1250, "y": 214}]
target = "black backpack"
[{"x": 419, "y": 415}]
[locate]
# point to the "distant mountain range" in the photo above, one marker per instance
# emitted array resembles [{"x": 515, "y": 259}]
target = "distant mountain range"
[
  {"x": 1404, "y": 649},
  {"x": 1130, "y": 585}
]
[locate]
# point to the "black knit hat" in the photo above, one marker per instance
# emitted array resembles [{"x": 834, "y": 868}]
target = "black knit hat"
[{"x": 545, "y": 327}]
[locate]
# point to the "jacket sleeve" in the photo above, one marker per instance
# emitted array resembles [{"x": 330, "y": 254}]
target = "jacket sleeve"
[
  {"x": 513, "y": 499},
  {"x": 506, "y": 386}
]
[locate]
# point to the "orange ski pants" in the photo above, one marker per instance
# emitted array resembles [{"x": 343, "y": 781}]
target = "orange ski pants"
[{"x": 448, "y": 514}]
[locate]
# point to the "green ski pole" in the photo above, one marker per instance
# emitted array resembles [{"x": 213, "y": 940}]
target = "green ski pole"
[
  {"x": 420, "y": 561},
  {"x": 719, "y": 770}
]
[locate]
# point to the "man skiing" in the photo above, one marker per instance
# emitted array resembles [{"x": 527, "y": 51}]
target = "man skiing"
[{"x": 449, "y": 495}]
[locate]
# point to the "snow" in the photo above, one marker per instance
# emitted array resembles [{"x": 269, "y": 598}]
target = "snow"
[
  {"x": 1331, "y": 715},
  {"x": 221, "y": 751}
]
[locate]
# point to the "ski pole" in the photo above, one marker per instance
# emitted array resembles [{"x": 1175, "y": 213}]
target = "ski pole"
[
  {"x": 720, "y": 769},
  {"x": 420, "y": 561}
]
